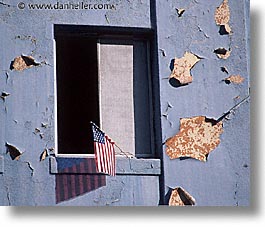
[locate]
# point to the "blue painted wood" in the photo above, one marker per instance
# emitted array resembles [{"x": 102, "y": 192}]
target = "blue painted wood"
[{"x": 222, "y": 180}]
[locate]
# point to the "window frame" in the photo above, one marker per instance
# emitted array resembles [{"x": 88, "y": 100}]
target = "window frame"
[{"x": 105, "y": 33}]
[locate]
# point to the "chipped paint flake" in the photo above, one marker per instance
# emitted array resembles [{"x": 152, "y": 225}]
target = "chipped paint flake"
[
  {"x": 236, "y": 79},
  {"x": 37, "y": 130},
  {"x": 180, "y": 197},
  {"x": 44, "y": 125},
  {"x": 44, "y": 155},
  {"x": 13, "y": 151},
  {"x": 182, "y": 67},
  {"x": 107, "y": 19},
  {"x": 4, "y": 4},
  {"x": 4, "y": 95},
  {"x": 222, "y": 53},
  {"x": 27, "y": 37},
  {"x": 163, "y": 52},
  {"x": 23, "y": 62},
  {"x": 30, "y": 167},
  {"x": 225, "y": 70},
  {"x": 222, "y": 18},
  {"x": 198, "y": 136},
  {"x": 180, "y": 11}
]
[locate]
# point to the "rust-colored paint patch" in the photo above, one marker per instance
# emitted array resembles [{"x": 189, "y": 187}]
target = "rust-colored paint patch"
[
  {"x": 222, "y": 53},
  {"x": 222, "y": 13},
  {"x": 236, "y": 79},
  {"x": 23, "y": 62},
  {"x": 182, "y": 67},
  {"x": 180, "y": 197},
  {"x": 222, "y": 18},
  {"x": 198, "y": 136}
]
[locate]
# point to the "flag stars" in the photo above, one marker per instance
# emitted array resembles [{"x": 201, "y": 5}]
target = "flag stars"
[{"x": 98, "y": 136}]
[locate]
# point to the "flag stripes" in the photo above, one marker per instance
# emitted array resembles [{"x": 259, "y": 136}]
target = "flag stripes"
[{"x": 104, "y": 152}]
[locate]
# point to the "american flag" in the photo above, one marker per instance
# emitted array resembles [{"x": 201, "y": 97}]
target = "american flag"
[{"x": 104, "y": 152}]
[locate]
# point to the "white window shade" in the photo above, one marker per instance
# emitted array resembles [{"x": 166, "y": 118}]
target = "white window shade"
[{"x": 124, "y": 94}]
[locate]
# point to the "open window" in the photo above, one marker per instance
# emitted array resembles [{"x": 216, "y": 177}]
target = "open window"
[{"x": 103, "y": 75}]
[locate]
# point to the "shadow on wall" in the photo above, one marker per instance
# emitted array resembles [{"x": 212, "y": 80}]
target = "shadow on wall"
[{"x": 173, "y": 81}]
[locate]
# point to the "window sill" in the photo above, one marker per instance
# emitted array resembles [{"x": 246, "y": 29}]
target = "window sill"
[{"x": 124, "y": 166}]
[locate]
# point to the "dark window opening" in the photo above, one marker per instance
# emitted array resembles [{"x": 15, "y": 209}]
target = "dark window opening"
[
  {"x": 103, "y": 74},
  {"x": 77, "y": 93}
]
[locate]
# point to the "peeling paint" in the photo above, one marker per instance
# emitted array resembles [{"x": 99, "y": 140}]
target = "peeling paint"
[
  {"x": 23, "y": 62},
  {"x": 30, "y": 167},
  {"x": 182, "y": 67},
  {"x": 180, "y": 197},
  {"x": 236, "y": 79},
  {"x": 163, "y": 52},
  {"x": 166, "y": 114},
  {"x": 44, "y": 155},
  {"x": 191, "y": 34},
  {"x": 169, "y": 106},
  {"x": 107, "y": 19},
  {"x": 7, "y": 76},
  {"x": 44, "y": 125},
  {"x": 5, "y": 4},
  {"x": 4, "y": 95},
  {"x": 26, "y": 37},
  {"x": 222, "y": 18},
  {"x": 13, "y": 152},
  {"x": 180, "y": 11},
  {"x": 224, "y": 70},
  {"x": 51, "y": 150},
  {"x": 223, "y": 53},
  {"x": 225, "y": 30},
  {"x": 198, "y": 136},
  {"x": 37, "y": 130},
  {"x": 41, "y": 135}
]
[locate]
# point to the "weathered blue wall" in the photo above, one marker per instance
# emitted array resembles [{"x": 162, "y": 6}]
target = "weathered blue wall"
[{"x": 222, "y": 180}]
